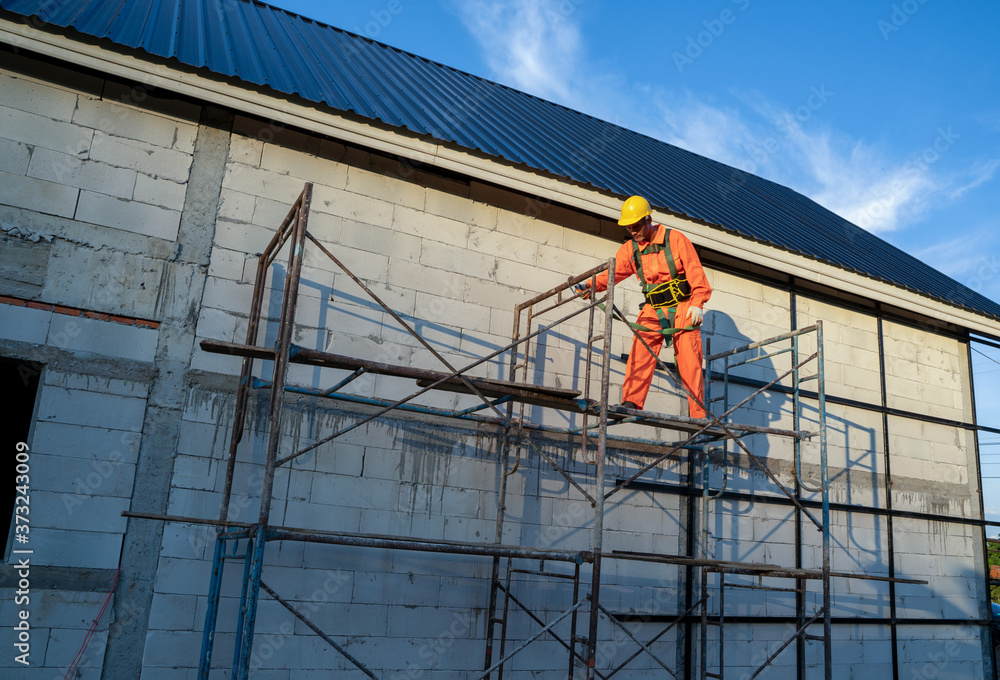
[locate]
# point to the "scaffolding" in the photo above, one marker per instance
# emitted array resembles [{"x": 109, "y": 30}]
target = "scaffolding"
[{"x": 701, "y": 617}]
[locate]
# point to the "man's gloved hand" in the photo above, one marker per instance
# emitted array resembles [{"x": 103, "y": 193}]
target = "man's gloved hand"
[
  {"x": 696, "y": 316},
  {"x": 583, "y": 290}
]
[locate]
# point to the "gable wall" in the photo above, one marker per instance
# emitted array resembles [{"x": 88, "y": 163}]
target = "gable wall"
[{"x": 136, "y": 218}]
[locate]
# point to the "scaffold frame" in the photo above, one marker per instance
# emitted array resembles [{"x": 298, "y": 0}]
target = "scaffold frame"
[{"x": 702, "y": 436}]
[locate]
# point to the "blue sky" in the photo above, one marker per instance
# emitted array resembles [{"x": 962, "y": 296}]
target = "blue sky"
[{"x": 888, "y": 113}]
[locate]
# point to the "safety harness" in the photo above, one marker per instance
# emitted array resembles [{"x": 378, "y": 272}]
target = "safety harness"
[{"x": 664, "y": 295}]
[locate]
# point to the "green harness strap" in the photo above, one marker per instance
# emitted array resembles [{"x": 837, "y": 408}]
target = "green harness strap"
[
  {"x": 666, "y": 320},
  {"x": 642, "y": 329}
]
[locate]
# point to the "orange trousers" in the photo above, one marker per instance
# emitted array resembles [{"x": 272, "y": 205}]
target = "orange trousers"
[{"x": 641, "y": 364}]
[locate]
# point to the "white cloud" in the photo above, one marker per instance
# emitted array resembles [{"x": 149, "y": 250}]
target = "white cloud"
[
  {"x": 968, "y": 255},
  {"x": 532, "y": 45},
  {"x": 716, "y": 133},
  {"x": 981, "y": 172},
  {"x": 853, "y": 179},
  {"x": 989, "y": 119},
  {"x": 877, "y": 199},
  {"x": 954, "y": 256},
  {"x": 536, "y": 46}
]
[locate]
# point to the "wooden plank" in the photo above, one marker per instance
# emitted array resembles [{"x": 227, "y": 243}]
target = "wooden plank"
[{"x": 312, "y": 357}]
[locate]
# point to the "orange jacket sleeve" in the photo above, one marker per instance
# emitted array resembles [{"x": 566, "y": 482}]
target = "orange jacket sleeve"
[
  {"x": 689, "y": 266},
  {"x": 624, "y": 267}
]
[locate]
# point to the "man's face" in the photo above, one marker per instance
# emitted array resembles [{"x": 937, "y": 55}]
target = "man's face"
[{"x": 638, "y": 230}]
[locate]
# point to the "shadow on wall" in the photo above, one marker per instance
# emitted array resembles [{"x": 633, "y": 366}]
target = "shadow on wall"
[
  {"x": 753, "y": 530},
  {"x": 355, "y": 325},
  {"x": 854, "y": 459},
  {"x": 749, "y": 530}
]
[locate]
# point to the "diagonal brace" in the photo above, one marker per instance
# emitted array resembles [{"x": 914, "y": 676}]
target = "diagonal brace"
[
  {"x": 330, "y": 641},
  {"x": 636, "y": 640},
  {"x": 534, "y": 637}
]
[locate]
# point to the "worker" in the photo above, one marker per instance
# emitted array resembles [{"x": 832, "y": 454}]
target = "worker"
[{"x": 676, "y": 291}]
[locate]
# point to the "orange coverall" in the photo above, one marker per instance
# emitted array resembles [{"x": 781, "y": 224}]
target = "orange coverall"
[{"x": 687, "y": 344}]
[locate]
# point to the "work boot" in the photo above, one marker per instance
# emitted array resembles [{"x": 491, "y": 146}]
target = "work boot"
[{"x": 615, "y": 413}]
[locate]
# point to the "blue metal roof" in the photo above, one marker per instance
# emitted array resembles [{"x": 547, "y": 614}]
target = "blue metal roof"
[{"x": 257, "y": 43}]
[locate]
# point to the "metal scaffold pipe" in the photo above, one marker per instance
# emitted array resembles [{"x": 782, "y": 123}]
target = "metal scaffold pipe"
[{"x": 514, "y": 434}]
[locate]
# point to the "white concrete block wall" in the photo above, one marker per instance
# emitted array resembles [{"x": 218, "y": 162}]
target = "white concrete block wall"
[
  {"x": 850, "y": 348},
  {"x": 87, "y": 150},
  {"x": 924, "y": 372},
  {"x": 85, "y": 441},
  {"x": 84, "y": 446},
  {"x": 926, "y": 550},
  {"x": 454, "y": 265},
  {"x": 96, "y": 174},
  {"x": 399, "y": 243},
  {"x": 855, "y": 454},
  {"x": 950, "y": 653},
  {"x": 60, "y": 620},
  {"x": 430, "y": 484},
  {"x": 742, "y": 311},
  {"x": 923, "y": 451},
  {"x": 746, "y": 648}
]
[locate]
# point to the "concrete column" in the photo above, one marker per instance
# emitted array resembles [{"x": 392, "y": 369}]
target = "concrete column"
[{"x": 161, "y": 425}]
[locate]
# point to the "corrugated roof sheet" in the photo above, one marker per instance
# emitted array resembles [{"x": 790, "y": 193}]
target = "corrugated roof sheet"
[{"x": 257, "y": 43}]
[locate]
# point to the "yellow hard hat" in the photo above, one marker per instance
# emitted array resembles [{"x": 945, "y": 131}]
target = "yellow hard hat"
[{"x": 633, "y": 210}]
